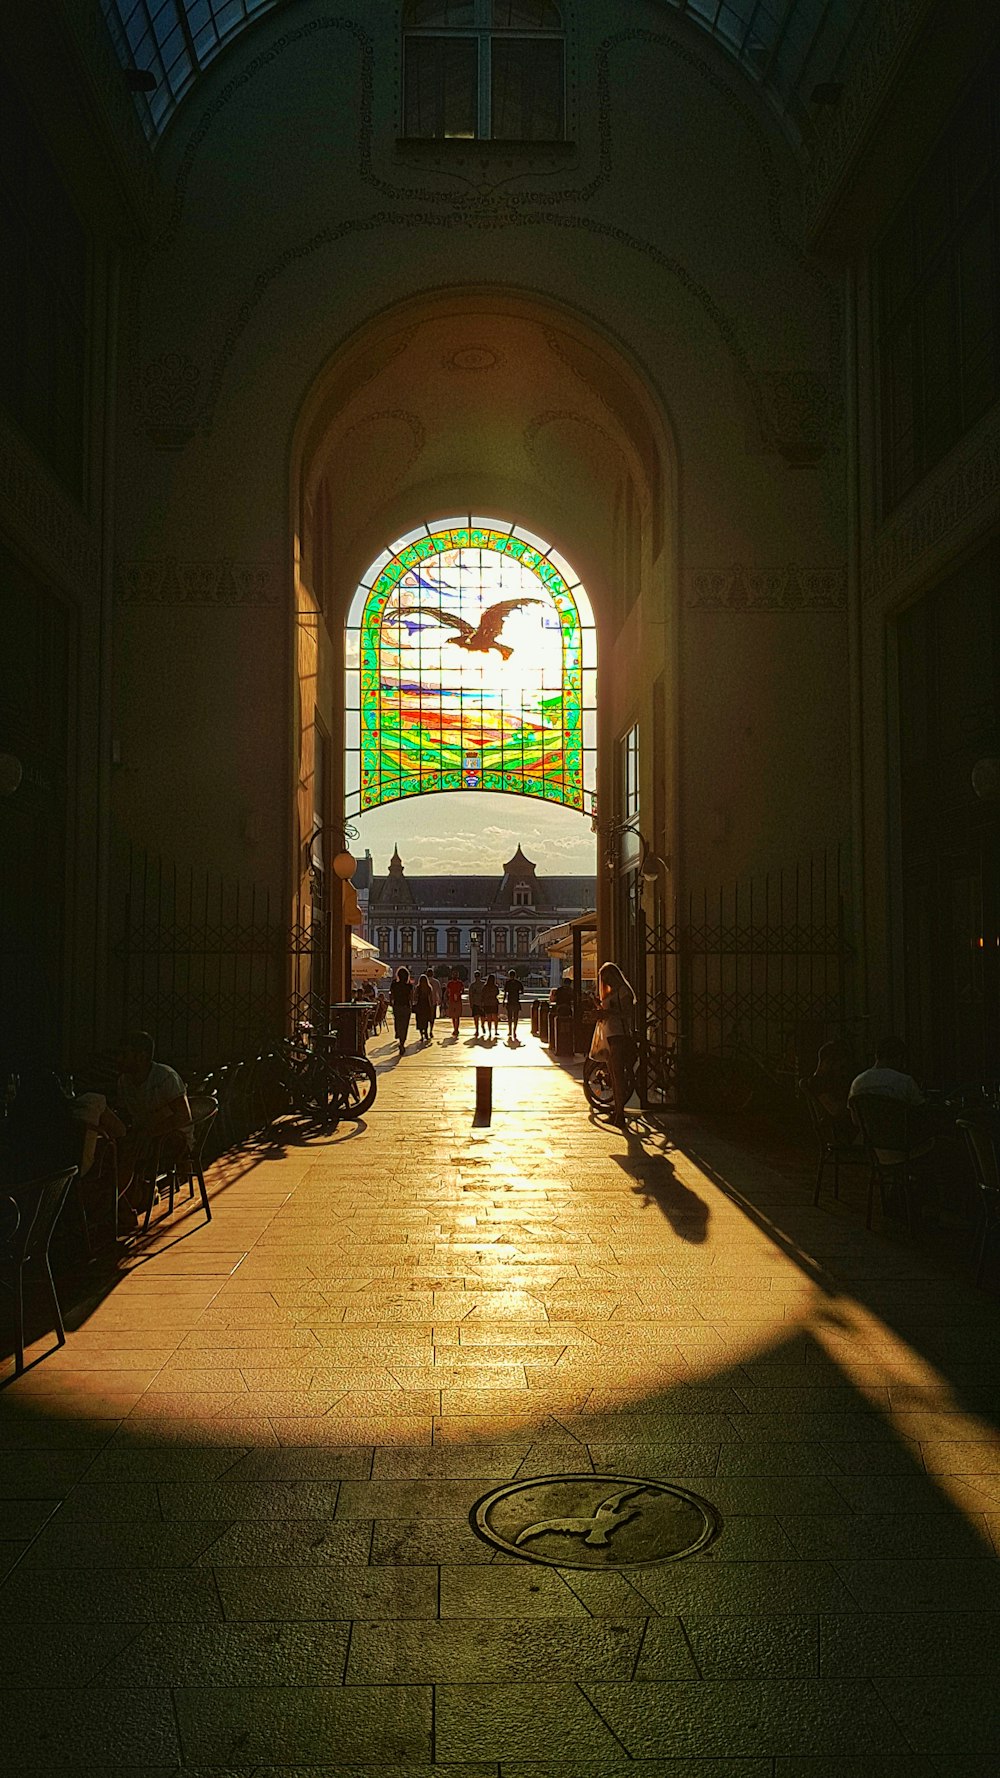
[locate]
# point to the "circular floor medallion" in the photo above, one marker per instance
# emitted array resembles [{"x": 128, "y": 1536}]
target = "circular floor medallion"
[{"x": 595, "y": 1521}]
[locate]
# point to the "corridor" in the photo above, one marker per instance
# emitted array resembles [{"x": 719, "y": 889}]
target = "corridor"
[{"x": 237, "y": 1503}]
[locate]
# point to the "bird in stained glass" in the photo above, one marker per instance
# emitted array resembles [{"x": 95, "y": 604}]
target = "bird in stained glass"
[{"x": 479, "y": 639}]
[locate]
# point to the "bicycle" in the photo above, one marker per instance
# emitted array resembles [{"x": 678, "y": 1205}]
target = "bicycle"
[{"x": 598, "y": 1085}]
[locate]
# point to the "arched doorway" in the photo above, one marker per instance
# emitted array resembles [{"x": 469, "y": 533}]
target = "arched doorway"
[{"x": 527, "y": 422}]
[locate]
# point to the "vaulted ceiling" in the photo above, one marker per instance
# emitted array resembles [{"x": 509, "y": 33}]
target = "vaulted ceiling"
[{"x": 787, "y": 47}]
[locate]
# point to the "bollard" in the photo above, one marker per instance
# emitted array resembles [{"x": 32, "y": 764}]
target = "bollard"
[{"x": 484, "y": 1095}]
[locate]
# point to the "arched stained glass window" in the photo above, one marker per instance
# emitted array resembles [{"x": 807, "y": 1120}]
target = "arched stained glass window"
[{"x": 471, "y": 665}]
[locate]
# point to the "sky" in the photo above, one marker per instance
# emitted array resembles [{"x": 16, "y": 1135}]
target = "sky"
[{"x": 475, "y": 832}]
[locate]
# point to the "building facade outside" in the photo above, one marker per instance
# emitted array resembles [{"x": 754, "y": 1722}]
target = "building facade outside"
[{"x": 440, "y": 924}]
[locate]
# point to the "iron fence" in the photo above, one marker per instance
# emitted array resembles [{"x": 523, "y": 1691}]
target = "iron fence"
[
  {"x": 212, "y": 966},
  {"x": 758, "y": 969}
]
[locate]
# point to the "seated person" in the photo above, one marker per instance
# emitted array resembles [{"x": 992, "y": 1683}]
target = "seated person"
[
  {"x": 154, "y": 1099},
  {"x": 830, "y": 1085},
  {"x": 888, "y": 1079}
]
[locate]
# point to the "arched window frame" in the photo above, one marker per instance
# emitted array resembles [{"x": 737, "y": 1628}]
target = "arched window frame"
[
  {"x": 481, "y": 34},
  {"x": 371, "y": 781}
]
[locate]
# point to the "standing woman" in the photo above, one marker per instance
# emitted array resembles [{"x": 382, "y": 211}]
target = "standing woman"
[
  {"x": 455, "y": 1001},
  {"x": 423, "y": 1007},
  {"x": 616, "y": 1011},
  {"x": 401, "y": 999}
]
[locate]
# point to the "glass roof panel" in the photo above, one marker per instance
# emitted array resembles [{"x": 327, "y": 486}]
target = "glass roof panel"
[{"x": 787, "y": 47}]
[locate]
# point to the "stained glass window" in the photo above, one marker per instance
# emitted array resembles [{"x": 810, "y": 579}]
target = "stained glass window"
[{"x": 471, "y": 665}]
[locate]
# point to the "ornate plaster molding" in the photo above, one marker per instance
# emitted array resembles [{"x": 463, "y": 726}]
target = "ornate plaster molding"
[
  {"x": 956, "y": 495},
  {"x": 745, "y": 590},
  {"x": 556, "y": 416},
  {"x": 412, "y": 422},
  {"x": 45, "y": 519},
  {"x": 894, "y": 26},
  {"x": 223, "y": 583},
  {"x": 168, "y": 390}
]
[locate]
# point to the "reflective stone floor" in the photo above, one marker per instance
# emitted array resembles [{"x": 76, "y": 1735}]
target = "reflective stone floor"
[{"x": 236, "y": 1505}]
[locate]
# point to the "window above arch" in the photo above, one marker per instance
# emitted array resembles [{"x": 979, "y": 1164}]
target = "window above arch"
[{"x": 480, "y": 70}]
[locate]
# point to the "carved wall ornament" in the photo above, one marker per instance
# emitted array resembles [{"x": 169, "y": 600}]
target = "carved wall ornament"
[
  {"x": 42, "y": 516},
  {"x": 765, "y": 589},
  {"x": 222, "y": 583},
  {"x": 169, "y": 389},
  {"x": 956, "y": 494},
  {"x": 411, "y": 423},
  {"x": 565, "y": 416},
  {"x": 473, "y": 358}
]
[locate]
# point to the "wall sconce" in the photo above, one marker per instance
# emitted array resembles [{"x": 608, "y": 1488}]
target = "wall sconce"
[
  {"x": 344, "y": 864},
  {"x": 11, "y": 773}
]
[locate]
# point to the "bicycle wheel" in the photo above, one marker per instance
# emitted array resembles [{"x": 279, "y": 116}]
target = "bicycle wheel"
[
  {"x": 598, "y": 1085},
  {"x": 354, "y": 1083}
]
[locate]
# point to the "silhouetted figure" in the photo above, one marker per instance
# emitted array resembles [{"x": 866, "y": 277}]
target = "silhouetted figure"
[
  {"x": 616, "y": 1018},
  {"x": 476, "y": 987},
  {"x": 512, "y": 1001},
  {"x": 401, "y": 1001},
  {"x": 455, "y": 1001},
  {"x": 491, "y": 1006},
  {"x": 423, "y": 1007}
]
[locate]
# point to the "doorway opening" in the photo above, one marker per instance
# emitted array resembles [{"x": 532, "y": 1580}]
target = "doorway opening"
[{"x": 471, "y": 679}]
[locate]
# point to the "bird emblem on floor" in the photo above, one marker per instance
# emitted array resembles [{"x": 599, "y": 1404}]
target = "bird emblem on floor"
[
  {"x": 608, "y": 1517},
  {"x": 478, "y": 639}
]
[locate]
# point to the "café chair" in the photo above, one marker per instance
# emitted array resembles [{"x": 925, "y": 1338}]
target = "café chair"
[
  {"x": 892, "y": 1142},
  {"x": 832, "y": 1148},
  {"x": 187, "y": 1168},
  {"x": 28, "y": 1215},
  {"x": 982, "y": 1136}
]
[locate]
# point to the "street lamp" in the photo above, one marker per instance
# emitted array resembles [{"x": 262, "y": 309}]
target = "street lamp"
[{"x": 475, "y": 940}]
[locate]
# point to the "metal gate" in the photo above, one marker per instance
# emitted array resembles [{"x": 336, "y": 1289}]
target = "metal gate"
[
  {"x": 757, "y": 969},
  {"x": 207, "y": 963}
]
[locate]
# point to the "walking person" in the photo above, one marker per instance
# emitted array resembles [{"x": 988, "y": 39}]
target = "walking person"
[
  {"x": 435, "y": 1001},
  {"x": 423, "y": 1007},
  {"x": 512, "y": 1001},
  {"x": 616, "y": 1014},
  {"x": 476, "y": 1003},
  {"x": 455, "y": 1001},
  {"x": 401, "y": 1001},
  {"x": 491, "y": 1006}
]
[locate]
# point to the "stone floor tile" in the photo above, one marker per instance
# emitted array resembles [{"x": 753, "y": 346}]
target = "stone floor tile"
[
  {"x": 418, "y": 1541},
  {"x": 946, "y": 1714},
  {"x": 512, "y": 1590},
  {"x": 605, "y": 1595},
  {"x": 908, "y": 1765},
  {"x": 264, "y": 1654},
  {"x": 326, "y": 1592},
  {"x": 249, "y": 1499},
  {"x": 477, "y": 1651},
  {"x": 622, "y": 1767},
  {"x": 922, "y": 1584},
  {"x": 286, "y": 1543},
  {"x": 113, "y": 1543},
  {"x": 742, "y": 1718},
  {"x": 851, "y": 1536},
  {"x": 909, "y": 1645},
  {"x": 109, "y": 1596},
  {"x": 700, "y": 1584},
  {"x": 505, "y": 1722},
  {"x": 76, "y": 1654},
  {"x": 754, "y": 1647},
  {"x": 373, "y": 1723},
  {"x": 86, "y": 1726}
]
